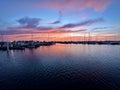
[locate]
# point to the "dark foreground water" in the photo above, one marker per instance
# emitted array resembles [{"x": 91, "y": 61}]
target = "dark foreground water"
[{"x": 61, "y": 67}]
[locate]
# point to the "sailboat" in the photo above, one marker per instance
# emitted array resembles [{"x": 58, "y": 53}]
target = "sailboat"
[
  {"x": 4, "y": 45},
  {"x": 31, "y": 44}
]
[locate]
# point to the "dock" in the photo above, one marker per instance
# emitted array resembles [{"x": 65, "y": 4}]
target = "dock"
[{"x": 22, "y": 45}]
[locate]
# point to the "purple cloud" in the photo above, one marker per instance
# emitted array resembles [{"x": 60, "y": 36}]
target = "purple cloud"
[
  {"x": 32, "y": 25},
  {"x": 55, "y": 22},
  {"x": 86, "y": 23},
  {"x": 71, "y": 31},
  {"x": 29, "y": 22}
]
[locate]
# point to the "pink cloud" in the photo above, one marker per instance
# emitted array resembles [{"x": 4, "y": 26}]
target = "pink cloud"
[{"x": 76, "y": 5}]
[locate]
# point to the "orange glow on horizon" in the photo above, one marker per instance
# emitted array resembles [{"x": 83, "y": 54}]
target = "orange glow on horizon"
[{"x": 58, "y": 37}]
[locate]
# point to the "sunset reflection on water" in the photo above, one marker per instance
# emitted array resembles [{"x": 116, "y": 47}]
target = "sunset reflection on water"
[{"x": 62, "y": 66}]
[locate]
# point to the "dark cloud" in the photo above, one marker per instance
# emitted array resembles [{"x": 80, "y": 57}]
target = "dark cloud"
[
  {"x": 86, "y": 23},
  {"x": 44, "y": 28},
  {"x": 29, "y": 22},
  {"x": 71, "y": 31},
  {"x": 10, "y": 32},
  {"x": 100, "y": 28},
  {"x": 32, "y": 25},
  {"x": 55, "y": 22}
]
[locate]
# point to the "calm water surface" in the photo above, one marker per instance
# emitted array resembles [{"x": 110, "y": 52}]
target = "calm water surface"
[{"x": 61, "y": 67}]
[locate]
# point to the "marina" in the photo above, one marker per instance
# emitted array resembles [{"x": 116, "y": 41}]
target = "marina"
[
  {"x": 59, "y": 45},
  {"x": 22, "y": 45}
]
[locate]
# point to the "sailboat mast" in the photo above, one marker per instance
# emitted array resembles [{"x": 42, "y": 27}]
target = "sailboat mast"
[
  {"x": 31, "y": 36},
  {"x": 2, "y": 38}
]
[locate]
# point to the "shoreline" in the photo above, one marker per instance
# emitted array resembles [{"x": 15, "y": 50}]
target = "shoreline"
[{"x": 22, "y": 45}]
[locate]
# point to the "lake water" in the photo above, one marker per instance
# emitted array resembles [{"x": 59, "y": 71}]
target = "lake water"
[{"x": 61, "y": 67}]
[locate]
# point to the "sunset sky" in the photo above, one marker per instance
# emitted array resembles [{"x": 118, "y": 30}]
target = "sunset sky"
[{"x": 59, "y": 19}]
